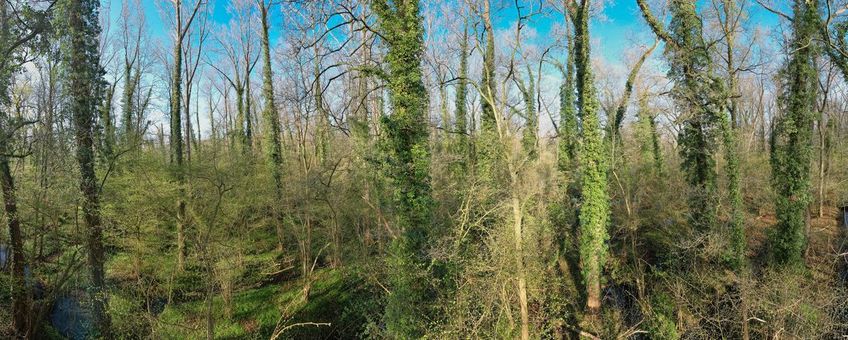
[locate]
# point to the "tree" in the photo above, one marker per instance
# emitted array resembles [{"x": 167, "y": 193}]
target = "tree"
[
  {"x": 648, "y": 137},
  {"x": 531, "y": 129},
  {"x": 176, "y": 141},
  {"x": 406, "y": 142},
  {"x": 488, "y": 151},
  {"x": 730, "y": 19},
  {"x": 132, "y": 30},
  {"x": 461, "y": 101},
  {"x": 270, "y": 115},
  {"x": 192, "y": 45},
  {"x": 84, "y": 84},
  {"x": 791, "y": 141},
  {"x": 594, "y": 210},
  {"x": 700, "y": 94},
  {"x": 567, "y": 130},
  {"x": 21, "y": 28},
  {"x": 615, "y": 127}
]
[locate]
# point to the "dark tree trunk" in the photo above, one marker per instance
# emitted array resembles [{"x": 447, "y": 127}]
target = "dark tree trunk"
[{"x": 20, "y": 292}]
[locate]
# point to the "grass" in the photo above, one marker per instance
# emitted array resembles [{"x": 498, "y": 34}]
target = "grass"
[{"x": 256, "y": 313}]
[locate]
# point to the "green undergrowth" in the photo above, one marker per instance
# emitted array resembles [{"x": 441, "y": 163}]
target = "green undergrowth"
[{"x": 330, "y": 311}]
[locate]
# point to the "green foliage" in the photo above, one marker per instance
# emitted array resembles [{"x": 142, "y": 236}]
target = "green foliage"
[
  {"x": 489, "y": 151},
  {"x": 648, "y": 137},
  {"x": 661, "y": 323},
  {"x": 736, "y": 252},
  {"x": 80, "y": 26},
  {"x": 529, "y": 139},
  {"x": 595, "y": 209},
  {"x": 567, "y": 145},
  {"x": 791, "y": 142},
  {"x": 700, "y": 95},
  {"x": 408, "y": 165},
  {"x": 270, "y": 115}
]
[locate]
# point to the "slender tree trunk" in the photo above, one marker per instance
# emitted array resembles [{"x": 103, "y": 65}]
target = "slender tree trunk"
[
  {"x": 271, "y": 118},
  {"x": 248, "y": 115},
  {"x": 824, "y": 144},
  {"x": 20, "y": 291},
  {"x": 517, "y": 215},
  {"x": 176, "y": 135},
  {"x": 188, "y": 129}
]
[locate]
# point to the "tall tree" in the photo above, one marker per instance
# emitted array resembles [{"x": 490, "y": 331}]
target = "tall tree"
[
  {"x": 406, "y": 142},
  {"x": 701, "y": 96},
  {"x": 176, "y": 141},
  {"x": 594, "y": 210},
  {"x": 488, "y": 145},
  {"x": 270, "y": 115},
  {"x": 791, "y": 142},
  {"x": 461, "y": 101},
  {"x": 84, "y": 83},
  {"x": 730, "y": 19}
]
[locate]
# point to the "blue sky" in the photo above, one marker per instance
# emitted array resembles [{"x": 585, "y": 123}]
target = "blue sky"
[
  {"x": 618, "y": 29},
  {"x": 621, "y": 27}
]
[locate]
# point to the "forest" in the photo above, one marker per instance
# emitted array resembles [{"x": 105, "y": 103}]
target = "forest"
[{"x": 440, "y": 169}]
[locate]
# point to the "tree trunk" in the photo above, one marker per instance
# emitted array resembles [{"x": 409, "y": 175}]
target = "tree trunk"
[
  {"x": 20, "y": 290},
  {"x": 176, "y": 135},
  {"x": 82, "y": 60},
  {"x": 517, "y": 216}
]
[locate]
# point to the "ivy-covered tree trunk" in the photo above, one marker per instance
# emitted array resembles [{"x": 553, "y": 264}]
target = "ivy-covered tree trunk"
[
  {"x": 594, "y": 210},
  {"x": 107, "y": 125},
  {"x": 693, "y": 91},
  {"x": 271, "y": 118},
  {"x": 701, "y": 96},
  {"x": 85, "y": 87},
  {"x": 648, "y": 136},
  {"x": 461, "y": 110},
  {"x": 791, "y": 149},
  {"x": 488, "y": 147},
  {"x": 131, "y": 81},
  {"x": 736, "y": 257},
  {"x": 238, "y": 131},
  {"x": 176, "y": 139},
  {"x": 406, "y": 144},
  {"x": 615, "y": 127},
  {"x": 529, "y": 139}
]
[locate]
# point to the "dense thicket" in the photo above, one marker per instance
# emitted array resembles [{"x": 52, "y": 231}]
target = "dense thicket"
[{"x": 423, "y": 169}]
